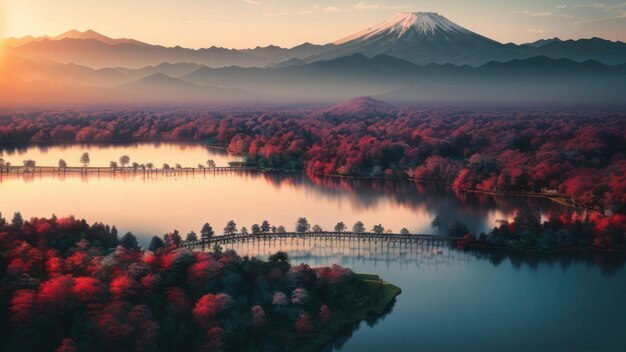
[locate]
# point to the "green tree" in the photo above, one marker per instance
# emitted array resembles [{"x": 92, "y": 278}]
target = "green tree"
[
  {"x": 30, "y": 164},
  {"x": 378, "y": 229},
  {"x": 124, "y": 160},
  {"x": 302, "y": 225},
  {"x": 62, "y": 164},
  {"x": 191, "y": 237},
  {"x": 528, "y": 219},
  {"x": 156, "y": 243},
  {"x": 18, "y": 220},
  {"x": 279, "y": 256},
  {"x": 340, "y": 227},
  {"x": 244, "y": 231},
  {"x": 265, "y": 226},
  {"x": 358, "y": 227},
  {"x": 230, "y": 228},
  {"x": 457, "y": 229},
  {"x": 129, "y": 241},
  {"x": 114, "y": 234},
  {"x": 256, "y": 229},
  {"x": 206, "y": 233},
  {"x": 84, "y": 159},
  {"x": 176, "y": 239}
]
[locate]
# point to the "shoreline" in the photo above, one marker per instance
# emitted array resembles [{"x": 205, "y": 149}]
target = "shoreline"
[
  {"x": 387, "y": 294},
  {"x": 21, "y": 170},
  {"x": 538, "y": 253}
]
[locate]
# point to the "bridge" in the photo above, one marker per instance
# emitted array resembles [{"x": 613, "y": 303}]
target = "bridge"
[
  {"x": 391, "y": 239},
  {"x": 128, "y": 170}
]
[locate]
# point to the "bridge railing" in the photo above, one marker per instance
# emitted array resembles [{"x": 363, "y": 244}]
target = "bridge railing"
[
  {"x": 318, "y": 235},
  {"x": 14, "y": 169}
]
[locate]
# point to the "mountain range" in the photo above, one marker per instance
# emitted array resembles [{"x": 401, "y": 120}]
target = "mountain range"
[{"x": 412, "y": 57}]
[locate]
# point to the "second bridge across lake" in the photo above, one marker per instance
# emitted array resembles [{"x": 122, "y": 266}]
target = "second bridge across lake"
[{"x": 389, "y": 239}]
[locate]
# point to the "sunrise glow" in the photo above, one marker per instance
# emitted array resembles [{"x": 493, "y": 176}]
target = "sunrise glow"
[{"x": 312, "y": 175}]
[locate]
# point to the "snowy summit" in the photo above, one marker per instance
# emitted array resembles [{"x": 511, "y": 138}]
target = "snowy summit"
[
  {"x": 411, "y": 24},
  {"x": 418, "y": 37}
]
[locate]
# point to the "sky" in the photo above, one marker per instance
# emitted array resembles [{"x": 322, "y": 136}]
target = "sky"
[{"x": 250, "y": 23}]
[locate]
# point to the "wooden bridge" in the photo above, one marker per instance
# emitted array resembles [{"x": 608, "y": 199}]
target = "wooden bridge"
[
  {"x": 389, "y": 238},
  {"x": 123, "y": 170}
]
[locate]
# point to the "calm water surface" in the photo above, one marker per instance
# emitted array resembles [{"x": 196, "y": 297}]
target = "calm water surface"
[
  {"x": 186, "y": 154},
  {"x": 451, "y": 300},
  {"x": 461, "y": 301}
]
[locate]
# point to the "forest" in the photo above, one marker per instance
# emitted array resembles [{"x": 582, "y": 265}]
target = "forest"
[
  {"x": 69, "y": 286},
  {"x": 560, "y": 231},
  {"x": 579, "y": 155}
]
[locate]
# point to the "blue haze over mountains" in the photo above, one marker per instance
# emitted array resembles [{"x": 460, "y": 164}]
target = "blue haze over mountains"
[{"x": 410, "y": 58}]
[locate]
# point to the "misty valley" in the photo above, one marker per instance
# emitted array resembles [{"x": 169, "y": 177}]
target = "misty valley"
[{"x": 261, "y": 175}]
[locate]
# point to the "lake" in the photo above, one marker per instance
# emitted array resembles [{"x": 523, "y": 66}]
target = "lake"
[
  {"x": 187, "y": 154},
  {"x": 452, "y": 300},
  {"x": 456, "y": 300},
  {"x": 149, "y": 204}
]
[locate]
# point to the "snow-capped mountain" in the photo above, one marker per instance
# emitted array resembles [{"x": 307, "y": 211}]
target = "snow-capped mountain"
[
  {"x": 422, "y": 38},
  {"x": 418, "y": 37},
  {"x": 411, "y": 27}
]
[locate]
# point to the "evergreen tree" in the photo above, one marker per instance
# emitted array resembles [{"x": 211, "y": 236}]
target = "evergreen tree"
[
  {"x": 17, "y": 220},
  {"x": 156, "y": 243},
  {"x": 129, "y": 241}
]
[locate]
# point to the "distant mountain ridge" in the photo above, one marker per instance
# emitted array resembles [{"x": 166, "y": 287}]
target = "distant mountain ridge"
[
  {"x": 410, "y": 58},
  {"x": 417, "y": 37},
  {"x": 520, "y": 81}
]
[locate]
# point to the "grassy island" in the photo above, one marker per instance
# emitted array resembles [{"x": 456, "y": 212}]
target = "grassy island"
[{"x": 68, "y": 286}]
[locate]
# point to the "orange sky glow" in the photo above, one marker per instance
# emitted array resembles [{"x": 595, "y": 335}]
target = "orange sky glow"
[{"x": 241, "y": 23}]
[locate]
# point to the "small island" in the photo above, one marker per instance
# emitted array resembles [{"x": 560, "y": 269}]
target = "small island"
[{"x": 79, "y": 287}]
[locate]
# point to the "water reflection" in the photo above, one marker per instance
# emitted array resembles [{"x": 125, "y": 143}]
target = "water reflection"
[
  {"x": 609, "y": 263},
  {"x": 149, "y": 204},
  {"x": 489, "y": 300},
  {"x": 188, "y": 154},
  {"x": 433, "y": 255}
]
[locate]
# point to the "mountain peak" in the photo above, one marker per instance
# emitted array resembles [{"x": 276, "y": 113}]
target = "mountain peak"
[
  {"x": 419, "y": 24},
  {"x": 76, "y": 34},
  {"x": 358, "y": 107}
]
